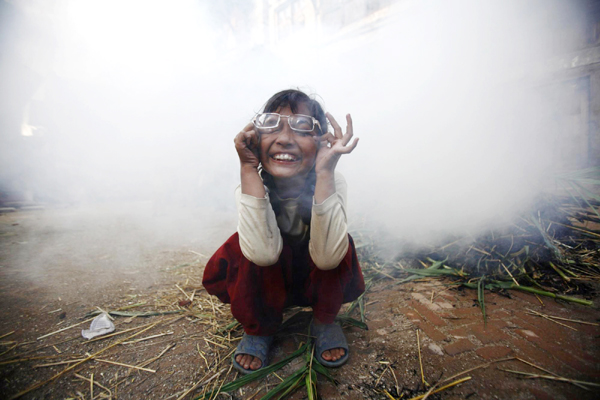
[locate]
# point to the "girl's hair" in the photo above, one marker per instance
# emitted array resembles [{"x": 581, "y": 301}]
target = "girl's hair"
[{"x": 293, "y": 98}]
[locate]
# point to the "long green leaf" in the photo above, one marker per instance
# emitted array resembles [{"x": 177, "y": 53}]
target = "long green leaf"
[
  {"x": 288, "y": 385},
  {"x": 509, "y": 285},
  {"x": 361, "y": 309},
  {"x": 355, "y": 302},
  {"x": 323, "y": 371},
  {"x": 547, "y": 240},
  {"x": 134, "y": 313},
  {"x": 435, "y": 272},
  {"x": 559, "y": 272},
  {"x": 590, "y": 194},
  {"x": 230, "y": 326},
  {"x": 311, "y": 385},
  {"x": 585, "y": 199},
  {"x": 564, "y": 185},
  {"x": 480, "y": 294},
  {"x": 343, "y": 319},
  {"x": 436, "y": 264},
  {"x": 259, "y": 374}
]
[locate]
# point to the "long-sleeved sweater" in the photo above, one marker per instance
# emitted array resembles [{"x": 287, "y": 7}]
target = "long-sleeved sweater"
[{"x": 260, "y": 230}]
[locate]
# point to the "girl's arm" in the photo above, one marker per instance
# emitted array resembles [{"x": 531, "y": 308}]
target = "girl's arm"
[
  {"x": 329, "y": 232},
  {"x": 260, "y": 239},
  {"x": 328, "y": 228}
]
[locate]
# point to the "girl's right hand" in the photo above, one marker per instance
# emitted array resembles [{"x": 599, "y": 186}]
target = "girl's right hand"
[{"x": 246, "y": 145}]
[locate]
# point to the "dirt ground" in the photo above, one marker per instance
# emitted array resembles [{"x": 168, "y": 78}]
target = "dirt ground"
[{"x": 56, "y": 265}]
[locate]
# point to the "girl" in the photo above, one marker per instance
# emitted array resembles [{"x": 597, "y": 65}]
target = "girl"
[{"x": 292, "y": 245}]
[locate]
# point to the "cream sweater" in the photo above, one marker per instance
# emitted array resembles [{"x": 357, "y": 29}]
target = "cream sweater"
[{"x": 260, "y": 230}]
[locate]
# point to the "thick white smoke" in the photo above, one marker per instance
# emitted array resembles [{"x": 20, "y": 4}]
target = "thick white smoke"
[{"x": 140, "y": 101}]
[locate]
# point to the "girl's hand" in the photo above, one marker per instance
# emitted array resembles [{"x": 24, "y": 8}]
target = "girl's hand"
[
  {"x": 332, "y": 146},
  {"x": 246, "y": 145}
]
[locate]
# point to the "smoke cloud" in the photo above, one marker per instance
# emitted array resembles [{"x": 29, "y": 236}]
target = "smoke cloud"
[{"x": 140, "y": 101}]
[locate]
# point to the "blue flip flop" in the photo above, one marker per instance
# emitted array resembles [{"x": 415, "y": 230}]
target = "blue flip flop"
[
  {"x": 327, "y": 337},
  {"x": 256, "y": 346}
]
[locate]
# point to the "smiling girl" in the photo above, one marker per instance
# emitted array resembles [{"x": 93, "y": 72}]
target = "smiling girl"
[{"x": 292, "y": 246}]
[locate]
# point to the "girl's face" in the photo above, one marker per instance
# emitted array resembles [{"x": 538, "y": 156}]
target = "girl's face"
[{"x": 285, "y": 153}]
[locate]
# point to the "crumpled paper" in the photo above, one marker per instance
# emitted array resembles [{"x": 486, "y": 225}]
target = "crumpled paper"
[{"x": 101, "y": 325}]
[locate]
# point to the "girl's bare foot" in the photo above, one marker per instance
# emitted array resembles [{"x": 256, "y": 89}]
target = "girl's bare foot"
[
  {"x": 333, "y": 354},
  {"x": 248, "y": 362}
]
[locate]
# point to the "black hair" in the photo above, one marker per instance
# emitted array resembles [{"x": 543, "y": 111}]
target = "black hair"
[{"x": 293, "y": 98}]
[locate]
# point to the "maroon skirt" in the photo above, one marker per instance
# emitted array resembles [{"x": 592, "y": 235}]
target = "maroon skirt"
[{"x": 258, "y": 295}]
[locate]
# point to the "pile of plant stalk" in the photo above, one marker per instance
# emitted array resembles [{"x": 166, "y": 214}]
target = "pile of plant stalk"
[{"x": 552, "y": 250}]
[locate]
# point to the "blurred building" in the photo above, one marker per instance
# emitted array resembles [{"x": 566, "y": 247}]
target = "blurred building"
[
  {"x": 571, "y": 83},
  {"x": 569, "y": 79}
]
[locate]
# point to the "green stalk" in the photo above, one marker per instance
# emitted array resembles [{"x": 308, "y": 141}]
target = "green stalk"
[
  {"x": 288, "y": 385},
  {"x": 549, "y": 243},
  {"x": 562, "y": 183},
  {"x": 559, "y": 272},
  {"x": 361, "y": 307},
  {"x": 555, "y": 296},
  {"x": 585, "y": 199},
  {"x": 311, "y": 385},
  {"x": 230, "y": 326},
  {"x": 323, "y": 371},
  {"x": 356, "y": 302},
  {"x": 436, "y": 264},
  {"x": 343, "y": 319},
  {"x": 480, "y": 290},
  {"x": 435, "y": 272},
  {"x": 510, "y": 285},
  {"x": 259, "y": 374},
  {"x": 588, "y": 192}
]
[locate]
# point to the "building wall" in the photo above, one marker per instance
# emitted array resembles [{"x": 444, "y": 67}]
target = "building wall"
[{"x": 572, "y": 83}]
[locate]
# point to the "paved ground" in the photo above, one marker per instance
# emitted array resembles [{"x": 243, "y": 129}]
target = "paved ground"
[
  {"x": 455, "y": 338},
  {"x": 75, "y": 261}
]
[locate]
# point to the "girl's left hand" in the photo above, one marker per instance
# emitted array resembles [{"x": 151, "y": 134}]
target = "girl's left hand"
[{"x": 332, "y": 146}]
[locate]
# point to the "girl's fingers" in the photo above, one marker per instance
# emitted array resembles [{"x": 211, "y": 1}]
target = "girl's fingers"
[
  {"x": 247, "y": 139},
  {"x": 349, "y": 131},
  {"x": 239, "y": 139},
  {"x": 336, "y": 127},
  {"x": 348, "y": 149},
  {"x": 325, "y": 138},
  {"x": 248, "y": 127},
  {"x": 252, "y": 138},
  {"x": 349, "y": 127},
  {"x": 256, "y": 137},
  {"x": 242, "y": 135}
]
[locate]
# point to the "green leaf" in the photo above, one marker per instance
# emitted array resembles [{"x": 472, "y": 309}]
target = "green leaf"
[
  {"x": 436, "y": 264},
  {"x": 435, "y": 272},
  {"x": 134, "y": 313},
  {"x": 510, "y": 285},
  {"x": 318, "y": 367},
  {"x": 258, "y": 374},
  {"x": 311, "y": 385},
  {"x": 288, "y": 385},
  {"x": 480, "y": 294},
  {"x": 343, "y": 319}
]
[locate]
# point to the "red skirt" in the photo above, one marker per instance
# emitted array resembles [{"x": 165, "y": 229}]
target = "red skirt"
[{"x": 258, "y": 295}]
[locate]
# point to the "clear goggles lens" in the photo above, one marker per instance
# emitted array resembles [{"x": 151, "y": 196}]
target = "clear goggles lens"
[{"x": 298, "y": 122}]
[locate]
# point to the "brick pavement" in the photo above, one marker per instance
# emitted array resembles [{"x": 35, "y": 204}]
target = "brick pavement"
[{"x": 454, "y": 338}]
